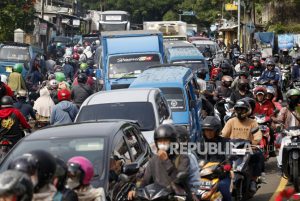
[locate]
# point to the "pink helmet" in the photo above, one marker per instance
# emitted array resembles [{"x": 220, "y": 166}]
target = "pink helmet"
[{"x": 82, "y": 164}]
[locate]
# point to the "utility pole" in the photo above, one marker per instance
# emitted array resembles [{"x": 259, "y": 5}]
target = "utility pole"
[{"x": 239, "y": 20}]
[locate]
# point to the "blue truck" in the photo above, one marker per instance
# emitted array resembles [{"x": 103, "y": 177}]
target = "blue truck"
[{"x": 126, "y": 54}]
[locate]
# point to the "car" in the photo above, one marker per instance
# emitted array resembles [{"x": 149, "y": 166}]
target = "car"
[
  {"x": 146, "y": 106},
  {"x": 179, "y": 86},
  {"x": 213, "y": 46},
  {"x": 102, "y": 142}
]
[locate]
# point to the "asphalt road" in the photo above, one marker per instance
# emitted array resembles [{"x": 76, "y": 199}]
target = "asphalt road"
[{"x": 274, "y": 182}]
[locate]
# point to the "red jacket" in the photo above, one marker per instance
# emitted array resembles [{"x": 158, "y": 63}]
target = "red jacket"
[
  {"x": 266, "y": 108},
  {"x": 5, "y": 112},
  {"x": 9, "y": 92}
]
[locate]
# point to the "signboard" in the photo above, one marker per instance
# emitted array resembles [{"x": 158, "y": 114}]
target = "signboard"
[
  {"x": 188, "y": 13},
  {"x": 43, "y": 29},
  {"x": 113, "y": 17},
  {"x": 76, "y": 22},
  {"x": 285, "y": 41},
  {"x": 230, "y": 7}
]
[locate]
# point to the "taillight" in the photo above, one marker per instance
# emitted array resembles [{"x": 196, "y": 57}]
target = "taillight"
[{"x": 5, "y": 142}]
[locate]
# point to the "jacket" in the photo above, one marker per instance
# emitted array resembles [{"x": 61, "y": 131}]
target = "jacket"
[
  {"x": 16, "y": 82},
  {"x": 265, "y": 108},
  {"x": 69, "y": 71},
  {"x": 63, "y": 113},
  {"x": 296, "y": 72},
  {"x": 270, "y": 75},
  {"x": 80, "y": 92},
  {"x": 222, "y": 92},
  {"x": 236, "y": 95},
  {"x": 6, "y": 112},
  {"x": 90, "y": 194},
  {"x": 286, "y": 117},
  {"x": 45, "y": 194},
  {"x": 25, "y": 108}
]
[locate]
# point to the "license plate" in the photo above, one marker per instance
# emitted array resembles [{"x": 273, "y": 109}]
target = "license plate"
[
  {"x": 238, "y": 151},
  {"x": 295, "y": 144},
  {"x": 8, "y": 69}
]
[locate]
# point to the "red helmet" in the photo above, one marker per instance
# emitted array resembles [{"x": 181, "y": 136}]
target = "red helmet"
[
  {"x": 63, "y": 94},
  {"x": 76, "y": 56},
  {"x": 260, "y": 89}
]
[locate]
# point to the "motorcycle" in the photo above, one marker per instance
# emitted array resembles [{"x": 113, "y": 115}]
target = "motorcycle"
[
  {"x": 240, "y": 157},
  {"x": 5, "y": 146},
  {"x": 155, "y": 192},
  {"x": 286, "y": 76},
  {"x": 209, "y": 180},
  {"x": 291, "y": 156},
  {"x": 264, "y": 126},
  {"x": 222, "y": 110}
]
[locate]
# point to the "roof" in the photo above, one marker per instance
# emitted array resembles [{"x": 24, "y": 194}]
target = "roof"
[
  {"x": 172, "y": 44},
  {"x": 172, "y": 75},
  {"x": 100, "y": 128},
  {"x": 16, "y": 44},
  {"x": 126, "y": 33},
  {"x": 119, "y": 96},
  {"x": 114, "y": 12}
]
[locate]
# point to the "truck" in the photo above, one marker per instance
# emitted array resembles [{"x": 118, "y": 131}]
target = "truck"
[
  {"x": 172, "y": 30},
  {"x": 126, "y": 54},
  {"x": 114, "y": 21}
]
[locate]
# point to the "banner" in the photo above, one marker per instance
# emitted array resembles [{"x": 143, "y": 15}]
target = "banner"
[{"x": 285, "y": 41}]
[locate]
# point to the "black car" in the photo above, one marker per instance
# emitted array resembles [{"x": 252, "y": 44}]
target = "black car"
[{"x": 110, "y": 145}]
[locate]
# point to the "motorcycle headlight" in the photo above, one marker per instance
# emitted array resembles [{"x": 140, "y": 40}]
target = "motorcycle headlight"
[{"x": 205, "y": 172}]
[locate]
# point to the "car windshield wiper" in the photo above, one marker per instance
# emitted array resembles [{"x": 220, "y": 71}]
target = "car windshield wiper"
[{"x": 125, "y": 76}]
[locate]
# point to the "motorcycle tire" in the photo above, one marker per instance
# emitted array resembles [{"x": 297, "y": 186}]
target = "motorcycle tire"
[{"x": 295, "y": 174}]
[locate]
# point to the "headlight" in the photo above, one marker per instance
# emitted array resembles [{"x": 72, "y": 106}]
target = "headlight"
[
  {"x": 205, "y": 172},
  {"x": 205, "y": 185}
]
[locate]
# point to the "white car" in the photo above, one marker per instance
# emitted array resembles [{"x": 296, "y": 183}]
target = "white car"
[{"x": 146, "y": 106}]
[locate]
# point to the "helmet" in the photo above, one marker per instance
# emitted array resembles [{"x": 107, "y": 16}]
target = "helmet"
[
  {"x": 292, "y": 97},
  {"x": 235, "y": 40},
  {"x": 242, "y": 109},
  {"x": 244, "y": 67},
  {"x": 243, "y": 73},
  {"x": 59, "y": 76},
  {"x": 211, "y": 123},
  {"x": 227, "y": 78},
  {"x": 38, "y": 161},
  {"x": 165, "y": 131},
  {"x": 242, "y": 57},
  {"x": 53, "y": 84},
  {"x": 271, "y": 90},
  {"x": 260, "y": 90},
  {"x": 182, "y": 134},
  {"x": 80, "y": 51},
  {"x": 18, "y": 68},
  {"x": 82, "y": 78},
  {"x": 63, "y": 94},
  {"x": 75, "y": 49},
  {"x": 297, "y": 59},
  {"x": 81, "y": 168},
  {"x": 7, "y": 101},
  {"x": 76, "y": 56},
  {"x": 51, "y": 76},
  {"x": 22, "y": 93},
  {"x": 255, "y": 59},
  {"x": 83, "y": 66},
  {"x": 61, "y": 173},
  {"x": 251, "y": 102},
  {"x": 97, "y": 42},
  {"x": 292, "y": 92},
  {"x": 225, "y": 65},
  {"x": 296, "y": 46},
  {"x": 270, "y": 62},
  {"x": 285, "y": 50},
  {"x": 16, "y": 183},
  {"x": 243, "y": 84}
]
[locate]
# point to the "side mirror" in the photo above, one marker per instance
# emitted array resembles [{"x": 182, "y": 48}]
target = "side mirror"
[
  {"x": 167, "y": 121},
  {"x": 130, "y": 169},
  {"x": 254, "y": 130}
]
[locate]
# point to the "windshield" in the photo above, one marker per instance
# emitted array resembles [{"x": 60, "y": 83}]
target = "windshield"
[
  {"x": 131, "y": 65},
  {"x": 65, "y": 148},
  {"x": 113, "y": 27},
  {"x": 201, "y": 47},
  {"x": 175, "y": 98},
  {"x": 90, "y": 39},
  {"x": 139, "y": 111},
  {"x": 194, "y": 65},
  {"x": 14, "y": 53}
]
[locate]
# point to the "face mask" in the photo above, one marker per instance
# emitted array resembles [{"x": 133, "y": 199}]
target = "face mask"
[
  {"x": 242, "y": 87},
  {"x": 164, "y": 147},
  {"x": 72, "y": 184}
]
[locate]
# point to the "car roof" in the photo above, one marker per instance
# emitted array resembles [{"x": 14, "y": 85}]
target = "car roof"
[
  {"x": 92, "y": 129},
  {"x": 174, "y": 44},
  {"x": 203, "y": 42},
  {"x": 181, "y": 53},
  {"x": 175, "y": 75},
  {"x": 120, "y": 96},
  {"x": 129, "y": 33}
]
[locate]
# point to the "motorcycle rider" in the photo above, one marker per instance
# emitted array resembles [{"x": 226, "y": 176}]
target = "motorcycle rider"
[
  {"x": 164, "y": 167},
  {"x": 296, "y": 70},
  {"x": 234, "y": 47},
  {"x": 40, "y": 166},
  {"x": 68, "y": 69},
  {"x": 15, "y": 79},
  {"x": 295, "y": 51},
  {"x": 263, "y": 106},
  {"x": 242, "y": 60},
  {"x": 242, "y": 91},
  {"x": 243, "y": 74},
  {"x": 80, "y": 174},
  {"x": 256, "y": 69},
  {"x": 285, "y": 58},
  {"x": 15, "y": 186},
  {"x": 80, "y": 92},
  {"x": 24, "y": 107},
  {"x": 224, "y": 90},
  {"x": 226, "y": 69},
  {"x": 240, "y": 127},
  {"x": 270, "y": 74},
  {"x": 65, "y": 111}
]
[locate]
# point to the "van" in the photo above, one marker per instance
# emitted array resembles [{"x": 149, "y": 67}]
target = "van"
[{"x": 180, "y": 88}]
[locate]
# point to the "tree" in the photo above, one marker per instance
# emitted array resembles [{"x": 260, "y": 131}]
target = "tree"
[{"x": 15, "y": 14}]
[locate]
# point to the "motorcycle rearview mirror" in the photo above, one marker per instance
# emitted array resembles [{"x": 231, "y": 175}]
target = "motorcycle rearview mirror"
[
  {"x": 254, "y": 130},
  {"x": 130, "y": 169},
  {"x": 124, "y": 178}
]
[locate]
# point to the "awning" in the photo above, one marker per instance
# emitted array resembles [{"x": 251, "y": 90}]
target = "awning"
[{"x": 228, "y": 28}]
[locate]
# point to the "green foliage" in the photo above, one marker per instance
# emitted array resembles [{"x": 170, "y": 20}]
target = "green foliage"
[
  {"x": 284, "y": 28},
  {"x": 19, "y": 14}
]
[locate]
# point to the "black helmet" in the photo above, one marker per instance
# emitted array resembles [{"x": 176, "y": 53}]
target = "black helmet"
[
  {"x": 242, "y": 109},
  {"x": 297, "y": 59},
  {"x": 251, "y": 102},
  {"x": 211, "y": 123},
  {"x": 242, "y": 57},
  {"x": 16, "y": 183},
  {"x": 182, "y": 133},
  {"x": 270, "y": 62},
  {"x": 90, "y": 62},
  {"x": 7, "y": 101},
  {"x": 39, "y": 161},
  {"x": 165, "y": 131},
  {"x": 243, "y": 73},
  {"x": 225, "y": 65},
  {"x": 61, "y": 173},
  {"x": 82, "y": 78},
  {"x": 296, "y": 45}
]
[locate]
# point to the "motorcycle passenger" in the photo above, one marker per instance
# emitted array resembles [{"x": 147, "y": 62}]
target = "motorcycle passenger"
[
  {"x": 242, "y": 59},
  {"x": 296, "y": 70},
  {"x": 295, "y": 51},
  {"x": 15, "y": 79},
  {"x": 243, "y": 74},
  {"x": 272, "y": 96},
  {"x": 24, "y": 107},
  {"x": 40, "y": 166},
  {"x": 224, "y": 90},
  {"x": 285, "y": 59},
  {"x": 226, "y": 69},
  {"x": 211, "y": 127},
  {"x": 164, "y": 167},
  {"x": 12, "y": 120},
  {"x": 80, "y": 174},
  {"x": 80, "y": 92},
  {"x": 43, "y": 106},
  {"x": 239, "y": 127},
  {"x": 59, "y": 181},
  {"x": 263, "y": 106},
  {"x": 270, "y": 74},
  {"x": 242, "y": 91},
  {"x": 256, "y": 69},
  {"x": 65, "y": 111},
  {"x": 15, "y": 186}
]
